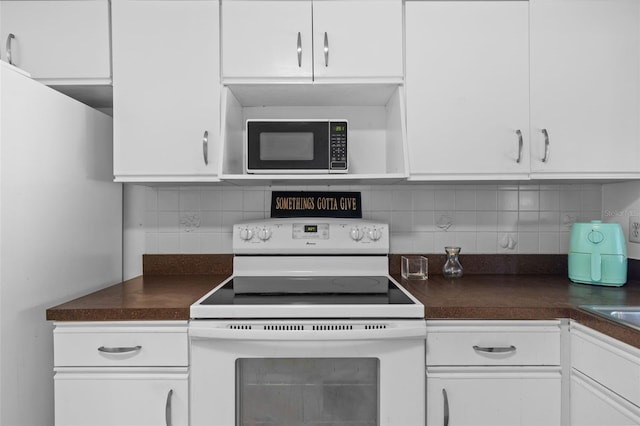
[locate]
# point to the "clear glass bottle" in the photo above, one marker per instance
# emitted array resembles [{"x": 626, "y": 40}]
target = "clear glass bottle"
[{"x": 452, "y": 267}]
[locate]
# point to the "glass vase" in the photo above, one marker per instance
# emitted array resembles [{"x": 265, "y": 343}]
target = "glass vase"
[{"x": 452, "y": 267}]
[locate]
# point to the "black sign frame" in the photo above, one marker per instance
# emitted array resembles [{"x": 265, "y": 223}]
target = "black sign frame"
[{"x": 286, "y": 204}]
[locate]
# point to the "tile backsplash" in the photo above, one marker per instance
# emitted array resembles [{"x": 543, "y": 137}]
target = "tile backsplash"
[{"x": 424, "y": 218}]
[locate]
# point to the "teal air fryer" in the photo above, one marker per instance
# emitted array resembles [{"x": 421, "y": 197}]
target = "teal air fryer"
[{"x": 598, "y": 254}]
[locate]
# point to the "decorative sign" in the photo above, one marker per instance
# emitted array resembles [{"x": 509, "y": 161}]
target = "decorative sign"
[{"x": 316, "y": 204}]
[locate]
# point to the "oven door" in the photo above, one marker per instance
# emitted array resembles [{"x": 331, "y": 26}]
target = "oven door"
[
  {"x": 287, "y": 146},
  {"x": 250, "y": 373}
]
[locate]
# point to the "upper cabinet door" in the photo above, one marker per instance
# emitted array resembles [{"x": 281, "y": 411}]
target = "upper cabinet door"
[
  {"x": 467, "y": 89},
  {"x": 585, "y": 87},
  {"x": 357, "y": 39},
  {"x": 166, "y": 90},
  {"x": 57, "y": 40},
  {"x": 267, "y": 39}
]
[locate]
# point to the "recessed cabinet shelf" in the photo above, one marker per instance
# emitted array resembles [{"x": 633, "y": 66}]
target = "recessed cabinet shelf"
[{"x": 376, "y": 144}]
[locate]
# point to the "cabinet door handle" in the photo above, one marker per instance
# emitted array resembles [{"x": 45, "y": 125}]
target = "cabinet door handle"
[
  {"x": 299, "y": 50},
  {"x": 326, "y": 49},
  {"x": 520, "y": 144},
  {"x": 167, "y": 408},
  {"x": 495, "y": 350},
  {"x": 546, "y": 145},
  {"x": 10, "y": 37},
  {"x": 446, "y": 407},
  {"x": 205, "y": 147},
  {"x": 119, "y": 350}
]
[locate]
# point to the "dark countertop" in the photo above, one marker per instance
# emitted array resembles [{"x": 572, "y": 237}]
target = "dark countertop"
[{"x": 520, "y": 297}]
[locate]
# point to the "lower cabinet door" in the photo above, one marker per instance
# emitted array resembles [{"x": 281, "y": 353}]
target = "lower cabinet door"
[
  {"x": 493, "y": 397},
  {"x": 110, "y": 398},
  {"x": 594, "y": 405}
]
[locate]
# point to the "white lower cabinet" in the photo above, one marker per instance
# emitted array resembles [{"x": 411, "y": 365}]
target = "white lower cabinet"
[
  {"x": 493, "y": 373},
  {"x": 136, "y": 397},
  {"x": 605, "y": 379},
  {"x": 129, "y": 373}
]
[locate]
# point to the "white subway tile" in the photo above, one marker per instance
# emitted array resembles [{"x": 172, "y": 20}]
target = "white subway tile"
[
  {"x": 253, "y": 201},
  {"x": 445, "y": 199},
  {"x": 487, "y": 200},
  {"x": 401, "y": 242},
  {"x": 549, "y": 243},
  {"x": 168, "y": 221},
  {"x": 211, "y": 242},
  {"x": 211, "y": 200},
  {"x": 528, "y": 221},
  {"x": 189, "y": 199},
  {"x": 465, "y": 200},
  {"x": 508, "y": 200},
  {"x": 529, "y": 201},
  {"x": 232, "y": 200},
  {"x": 190, "y": 243},
  {"x": 487, "y": 242},
  {"x": 401, "y": 221},
  {"x": 467, "y": 241},
  {"x": 528, "y": 243},
  {"x": 464, "y": 221},
  {"x": 168, "y": 200},
  {"x": 401, "y": 200},
  {"x": 423, "y": 199},
  {"x": 169, "y": 243},
  {"x": 423, "y": 221},
  {"x": 550, "y": 200},
  {"x": 423, "y": 242},
  {"x": 486, "y": 221}
]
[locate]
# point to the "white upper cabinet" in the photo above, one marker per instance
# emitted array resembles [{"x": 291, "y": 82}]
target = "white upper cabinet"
[
  {"x": 166, "y": 90},
  {"x": 585, "y": 88},
  {"x": 357, "y": 39},
  {"x": 266, "y": 39},
  {"x": 280, "y": 40},
  {"x": 57, "y": 42},
  {"x": 467, "y": 88}
]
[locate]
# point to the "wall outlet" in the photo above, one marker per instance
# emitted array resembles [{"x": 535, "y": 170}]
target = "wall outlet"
[{"x": 634, "y": 229}]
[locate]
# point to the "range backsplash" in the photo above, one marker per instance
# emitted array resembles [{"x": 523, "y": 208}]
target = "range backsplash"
[{"x": 487, "y": 219}]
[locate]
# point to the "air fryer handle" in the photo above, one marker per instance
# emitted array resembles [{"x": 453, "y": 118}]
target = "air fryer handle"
[{"x": 596, "y": 267}]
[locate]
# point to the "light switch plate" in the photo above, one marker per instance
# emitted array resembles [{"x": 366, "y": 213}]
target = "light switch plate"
[{"x": 634, "y": 229}]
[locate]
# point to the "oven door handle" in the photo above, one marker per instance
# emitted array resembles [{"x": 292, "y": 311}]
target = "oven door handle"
[{"x": 203, "y": 333}]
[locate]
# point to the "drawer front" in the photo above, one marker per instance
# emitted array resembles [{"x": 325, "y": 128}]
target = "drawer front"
[
  {"x": 488, "y": 343},
  {"x": 121, "y": 345},
  {"x": 609, "y": 362}
]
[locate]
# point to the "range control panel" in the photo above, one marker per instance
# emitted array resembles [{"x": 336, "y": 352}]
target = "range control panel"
[{"x": 311, "y": 236}]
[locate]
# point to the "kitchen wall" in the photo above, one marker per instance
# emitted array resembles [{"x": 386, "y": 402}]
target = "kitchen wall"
[
  {"x": 423, "y": 218},
  {"x": 620, "y": 201}
]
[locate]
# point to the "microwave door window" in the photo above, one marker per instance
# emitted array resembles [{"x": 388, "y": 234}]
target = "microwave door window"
[{"x": 286, "y": 146}]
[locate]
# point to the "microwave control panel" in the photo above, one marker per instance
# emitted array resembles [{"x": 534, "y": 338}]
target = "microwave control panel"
[{"x": 337, "y": 146}]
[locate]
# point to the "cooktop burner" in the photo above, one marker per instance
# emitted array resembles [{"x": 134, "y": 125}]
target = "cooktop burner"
[{"x": 309, "y": 291}]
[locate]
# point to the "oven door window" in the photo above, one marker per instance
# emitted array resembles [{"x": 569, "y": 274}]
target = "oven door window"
[{"x": 307, "y": 391}]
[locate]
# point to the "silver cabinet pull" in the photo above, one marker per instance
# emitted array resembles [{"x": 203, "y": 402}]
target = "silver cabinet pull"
[
  {"x": 299, "y": 50},
  {"x": 546, "y": 145},
  {"x": 446, "y": 407},
  {"x": 10, "y": 37},
  {"x": 119, "y": 350},
  {"x": 205, "y": 147},
  {"x": 495, "y": 350},
  {"x": 167, "y": 408},
  {"x": 326, "y": 49},
  {"x": 520, "y": 143}
]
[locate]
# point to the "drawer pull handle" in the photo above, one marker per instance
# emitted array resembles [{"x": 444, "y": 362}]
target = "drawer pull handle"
[
  {"x": 167, "y": 408},
  {"x": 495, "y": 350},
  {"x": 446, "y": 407},
  {"x": 10, "y": 38},
  {"x": 119, "y": 350}
]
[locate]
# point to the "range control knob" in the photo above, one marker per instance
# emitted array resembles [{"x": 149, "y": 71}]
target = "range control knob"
[
  {"x": 246, "y": 234},
  {"x": 264, "y": 234},
  {"x": 356, "y": 234},
  {"x": 375, "y": 234}
]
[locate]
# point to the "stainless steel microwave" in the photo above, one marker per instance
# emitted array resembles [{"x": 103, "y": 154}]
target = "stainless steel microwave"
[{"x": 297, "y": 146}]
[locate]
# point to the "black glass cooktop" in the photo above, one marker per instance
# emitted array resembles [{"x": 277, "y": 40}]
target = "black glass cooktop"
[{"x": 309, "y": 291}]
